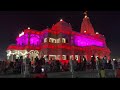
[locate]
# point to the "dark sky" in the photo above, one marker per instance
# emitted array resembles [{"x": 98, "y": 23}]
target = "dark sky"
[{"x": 13, "y": 22}]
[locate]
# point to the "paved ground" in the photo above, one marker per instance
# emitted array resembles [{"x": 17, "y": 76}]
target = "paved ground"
[
  {"x": 56, "y": 75},
  {"x": 80, "y": 74},
  {"x": 50, "y": 75}
]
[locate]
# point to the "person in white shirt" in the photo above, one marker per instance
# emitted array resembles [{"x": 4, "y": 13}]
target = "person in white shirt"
[{"x": 46, "y": 59}]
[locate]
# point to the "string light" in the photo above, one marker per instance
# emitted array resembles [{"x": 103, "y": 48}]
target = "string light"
[
  {"x": 28, "y": 27},
  {"x": 61, "y": 19},
  {"x": 97, "y": 33}
]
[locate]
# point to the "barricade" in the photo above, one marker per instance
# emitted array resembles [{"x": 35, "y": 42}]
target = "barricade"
[
  {"x": 109, "y": 73},
  {"x": 87, "y": 74}
]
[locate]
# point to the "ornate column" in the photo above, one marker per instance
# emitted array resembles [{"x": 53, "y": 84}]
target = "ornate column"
[
  {"x": 61, "y": 56},
  {"x": 48, "y": 40},
  {"x": 61, "y": 40}
]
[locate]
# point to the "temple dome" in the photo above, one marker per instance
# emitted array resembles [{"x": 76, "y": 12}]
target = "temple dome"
[{"x": 62, "y": 25}]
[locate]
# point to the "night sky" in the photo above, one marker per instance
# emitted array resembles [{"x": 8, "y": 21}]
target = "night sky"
[{"x": 14, "y": 22}]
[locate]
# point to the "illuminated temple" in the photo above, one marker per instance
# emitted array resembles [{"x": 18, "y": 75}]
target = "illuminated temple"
[{"x": 61, "y": 42}]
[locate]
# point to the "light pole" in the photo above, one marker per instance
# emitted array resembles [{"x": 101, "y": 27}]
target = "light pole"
[
  {"x": 26, "y": 72},
  {"x": 71, "y": 68},
  {"x": 114, "y": 66},
  {"x": 97, "y": 66},
  {"x": 97, "y": 63}
]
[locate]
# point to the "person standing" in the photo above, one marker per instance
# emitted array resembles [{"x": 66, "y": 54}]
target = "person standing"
[
  {"x": 46, "y": 63},
  {"x": 27, "y": 62},
  {"x": 102, "y": 73},
  {"x": 36, "y": 60},
  {"x": 46, "y": 59},
  {"x": 71, "y": 67},
  {"x": 93, "y": 62},
  {"x": 104, "y": 62},
  {"x": 84, "y": 61}
]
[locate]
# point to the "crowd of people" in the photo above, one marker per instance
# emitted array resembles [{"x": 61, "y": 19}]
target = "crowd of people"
[{"x": 43, "y": 64}]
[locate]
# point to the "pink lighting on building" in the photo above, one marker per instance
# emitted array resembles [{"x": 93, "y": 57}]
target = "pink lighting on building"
[
  {"x": 69, "y": 42},
  {"x": 83, "y": 41},
  {"x": 34, "y": 39},
  {"x": 23, "y": 40}
]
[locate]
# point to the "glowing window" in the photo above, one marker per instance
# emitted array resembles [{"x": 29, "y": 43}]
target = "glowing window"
[
  {"x": 45, "y": 40},
  {"x": 63, "y": 40},
  {"x": 50, "y": 39},
  {"x": 34, "y": 39}
]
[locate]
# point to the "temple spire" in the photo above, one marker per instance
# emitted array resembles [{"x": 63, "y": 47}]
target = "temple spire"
[
  {"x": 86, "y": 26},
  {"x": 85, "y": 13}
]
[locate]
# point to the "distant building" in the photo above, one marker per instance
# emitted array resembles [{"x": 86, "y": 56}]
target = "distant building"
[{"x": 60, "y": 42}]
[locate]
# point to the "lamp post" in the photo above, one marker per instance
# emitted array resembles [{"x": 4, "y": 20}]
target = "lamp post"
[
  {"x": 26, "y": 63},
  {"x": 97, "y": 64},
  {"x": 71, "y": 68},
  {"x": 114, "y": 66}
]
